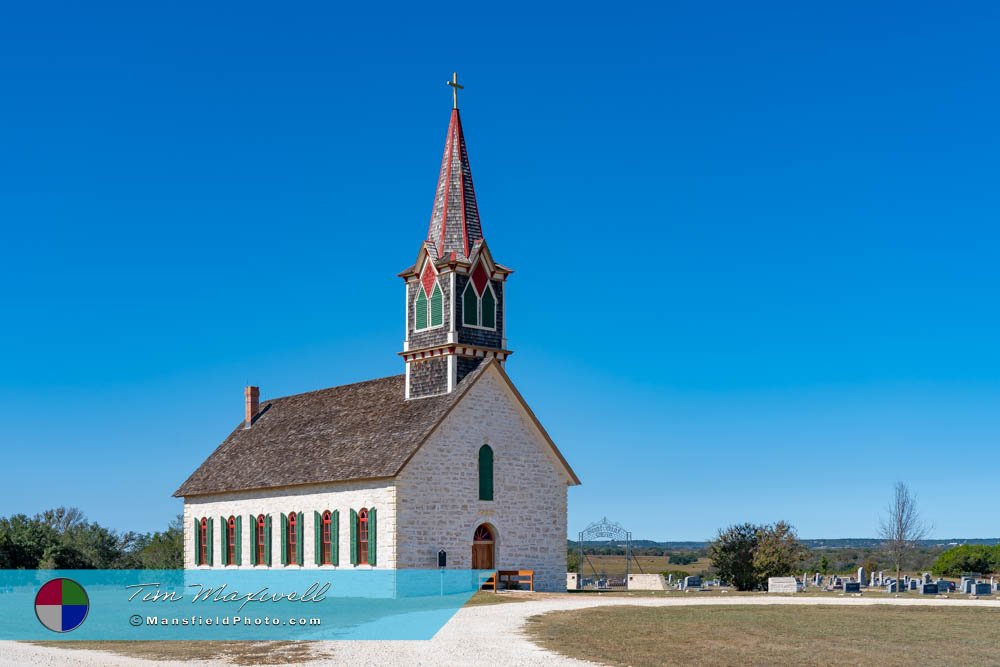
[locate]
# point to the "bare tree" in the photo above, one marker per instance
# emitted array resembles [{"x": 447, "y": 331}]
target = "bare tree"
[{"x": 901, "y": 528}]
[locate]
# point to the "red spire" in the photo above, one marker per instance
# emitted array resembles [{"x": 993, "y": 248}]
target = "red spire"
[{"x": 455, "y": 219}]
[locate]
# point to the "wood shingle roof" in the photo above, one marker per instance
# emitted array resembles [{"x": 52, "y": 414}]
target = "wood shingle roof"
[{"x": 357, "y": 431}]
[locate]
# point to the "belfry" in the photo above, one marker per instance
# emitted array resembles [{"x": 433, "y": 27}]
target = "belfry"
[{"x": 454, "y": 290}]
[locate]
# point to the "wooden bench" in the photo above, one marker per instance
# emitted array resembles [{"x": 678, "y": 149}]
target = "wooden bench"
[{"x": 508, "y": 578}]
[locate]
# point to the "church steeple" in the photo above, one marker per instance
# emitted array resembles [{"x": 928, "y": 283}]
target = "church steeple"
[
  {"x": 455, "y": 225},
  {"x": 455, "y": 315}
]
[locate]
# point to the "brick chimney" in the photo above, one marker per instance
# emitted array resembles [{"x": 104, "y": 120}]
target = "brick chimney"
[{"x": 252, "y": 395}]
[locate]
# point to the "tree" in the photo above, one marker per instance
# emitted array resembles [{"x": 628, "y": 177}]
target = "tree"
[
  {"x": 61, "y": 519},
  {"x": 966, "y": 558},
  {"x": 824, "y": 564},
  {"x": 732, "y": 554},
  {"x": 682, "y": 558},
  {"x": 901, "y": 528},
  {"x": 165, "y": 551},
  {"x": 64, "y": 557},
  {"x": 778, "y": 552}
]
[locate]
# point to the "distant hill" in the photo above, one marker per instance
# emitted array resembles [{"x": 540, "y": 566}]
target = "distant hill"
[{"x": 832, "y": 543}]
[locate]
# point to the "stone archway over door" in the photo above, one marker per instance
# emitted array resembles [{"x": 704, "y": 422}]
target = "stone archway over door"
[{"x": 483, "y": 543}]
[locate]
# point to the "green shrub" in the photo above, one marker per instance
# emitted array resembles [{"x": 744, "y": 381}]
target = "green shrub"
[{"x": 967, "y": 558}]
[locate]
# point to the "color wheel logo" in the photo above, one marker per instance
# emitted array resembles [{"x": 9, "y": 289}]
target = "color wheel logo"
[{"x": 61, "y": 605}]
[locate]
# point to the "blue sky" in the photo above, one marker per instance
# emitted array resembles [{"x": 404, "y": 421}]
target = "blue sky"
[{"x": 756, "y": 246}]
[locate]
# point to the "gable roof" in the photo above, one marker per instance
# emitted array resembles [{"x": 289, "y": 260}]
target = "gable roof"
[
  {"x": 365, "y": 430},
  {"x": 357, "y": 431}
]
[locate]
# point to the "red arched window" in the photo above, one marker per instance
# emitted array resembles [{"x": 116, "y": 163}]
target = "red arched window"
[
  {"x": 203, "y": 552},
  {"x": 231, "y": 541},
  {"x": 325, "y": 540},
  {"x": 260, "y": 546},
  {"x": 292, "y": 555},
  {"x": 363, "y": 536}
]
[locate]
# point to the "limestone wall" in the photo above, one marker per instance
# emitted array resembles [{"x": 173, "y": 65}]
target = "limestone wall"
[
  {"x": 306, "y": 499},
  {"x": 438, "y": 490}
]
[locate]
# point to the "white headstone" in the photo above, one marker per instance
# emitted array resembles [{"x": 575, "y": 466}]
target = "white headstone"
[{"x": 782, "y": 585}]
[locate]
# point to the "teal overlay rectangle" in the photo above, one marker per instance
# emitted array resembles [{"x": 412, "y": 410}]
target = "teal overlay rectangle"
[{"x": 233, "y": 604}]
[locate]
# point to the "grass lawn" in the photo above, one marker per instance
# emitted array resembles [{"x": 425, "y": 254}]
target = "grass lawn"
[
  {"x": 233, "y": 652},
  {"x": 779, "y": 635}
]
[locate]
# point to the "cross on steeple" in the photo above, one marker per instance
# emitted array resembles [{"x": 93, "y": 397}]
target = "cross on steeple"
[{"x": 455, "y": 87}]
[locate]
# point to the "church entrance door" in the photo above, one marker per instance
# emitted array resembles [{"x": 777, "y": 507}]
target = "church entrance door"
[{"x": 482, "y": 548}]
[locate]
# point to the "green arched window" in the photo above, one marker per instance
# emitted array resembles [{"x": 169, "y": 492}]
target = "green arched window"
[
  {"x": 489, "y": 319},
  {"x": 485, "y": 473},
  {"x": 470, "y": 306},
  {"x": 479, "y": 311},
  {"x": 420, "y": 310},
  {"x": 437, "y": 306}
]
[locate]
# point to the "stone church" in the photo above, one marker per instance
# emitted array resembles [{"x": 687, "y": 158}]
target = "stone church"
[{"x": 388, "y": 472}]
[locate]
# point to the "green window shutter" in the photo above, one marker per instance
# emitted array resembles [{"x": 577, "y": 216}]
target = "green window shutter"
[
  {"x": 284, "y": 539},
  {"x": 267, "y": 540},
  {"x": 489, "y": 309},
  {"x": 210, "y": 536},
  {"x": 300, "y": 551},
  {"x": 225, "y": 541},
  {"x": 335, "y": 537},
  {"x": 485, "y": 473},
  {"x": 239, "y": 540},
  {"x": 354, "y": 537},
  {"x": 420, "y": 309},
  {"x": 253, "y": 541},
  {"x": 372, "y": 532},
  {"x": 317, "y": 538},
  {"x": 470, "y": 306},
  {"x": 197, "y": 542},
  {"x": 437, "y": 306}
]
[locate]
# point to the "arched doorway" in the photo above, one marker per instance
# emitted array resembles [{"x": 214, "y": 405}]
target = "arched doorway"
[{"x": 483, "y": 542}]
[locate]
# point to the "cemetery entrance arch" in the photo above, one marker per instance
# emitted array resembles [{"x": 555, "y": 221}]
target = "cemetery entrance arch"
[{"x": 604, "y": 556}]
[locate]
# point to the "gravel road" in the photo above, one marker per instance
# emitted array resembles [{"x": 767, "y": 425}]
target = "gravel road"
[{"x": 474, "y": 636}]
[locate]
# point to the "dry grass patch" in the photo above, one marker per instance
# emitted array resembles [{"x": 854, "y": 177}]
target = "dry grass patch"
[
  {"x": 480, "y": 598},
  {"x": 773, "y": 635},
  {"x": 615, "y": 565},
  {"x": 233, "y": 652}
]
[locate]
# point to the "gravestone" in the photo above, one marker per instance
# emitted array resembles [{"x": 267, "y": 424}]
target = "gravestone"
[
  {"x": 891, "y": 587},
  {"x": 967, "y": 585},
  {"x": 913, "y": 584},
  {"x": 927, "y": 577},
  {"x": 782, "y": 585},
  {"x": 929, "y": 589},
  {"x": 852, "y": 586},
  {"x": 692, "y": 582},
  {"x": 982, "y": 589},
  {"x": 861, "y": 574}
]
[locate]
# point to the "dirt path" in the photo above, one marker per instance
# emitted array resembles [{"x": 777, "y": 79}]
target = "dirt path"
[{"x": 484, "y": 634}]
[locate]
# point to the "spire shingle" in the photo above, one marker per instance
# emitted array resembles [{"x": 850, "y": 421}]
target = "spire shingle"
[{"x": 455, "y": 223}]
